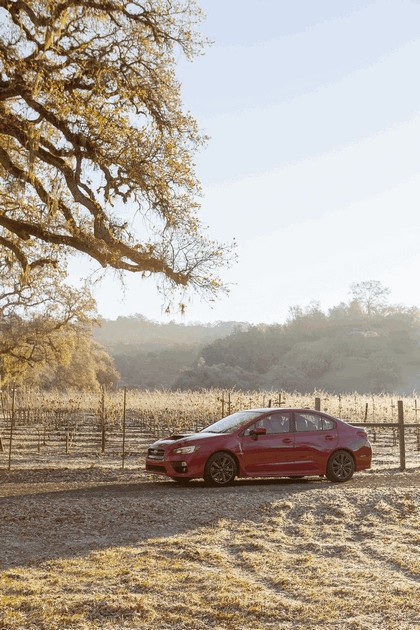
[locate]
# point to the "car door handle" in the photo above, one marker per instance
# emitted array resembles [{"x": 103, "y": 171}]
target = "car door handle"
[
  {"x": 287, "y": 440},
  {"x": 329, "y": 437}
]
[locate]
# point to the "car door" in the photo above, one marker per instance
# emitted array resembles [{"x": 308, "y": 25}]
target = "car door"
[
  {"x": 316, "y": 437},
  {"x": 271, "y": 453}
]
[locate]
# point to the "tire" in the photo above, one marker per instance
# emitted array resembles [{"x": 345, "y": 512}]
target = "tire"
[
  {"x": 220, "y": 469},
  {"x": 181, "y": 480},
  {"x": 340, "y": 466}
]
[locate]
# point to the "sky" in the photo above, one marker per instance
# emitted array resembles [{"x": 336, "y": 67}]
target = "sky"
[{"x": 313, "y": 162}]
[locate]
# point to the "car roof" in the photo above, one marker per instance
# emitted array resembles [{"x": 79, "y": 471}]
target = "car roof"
[{"x": 300, "y": 409}]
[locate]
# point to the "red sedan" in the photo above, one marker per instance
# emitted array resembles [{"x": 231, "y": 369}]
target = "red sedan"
[{"x": 264, "y": 443}]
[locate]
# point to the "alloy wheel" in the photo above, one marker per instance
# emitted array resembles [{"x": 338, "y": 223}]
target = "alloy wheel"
[
  {"x": 340, "y": 466},
  {"x": 220, "y": 469}
]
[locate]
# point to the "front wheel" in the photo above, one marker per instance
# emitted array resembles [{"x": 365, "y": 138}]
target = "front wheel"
[
  {"x": 220, "y": 470},
  {"x": 340, "y": 466}
]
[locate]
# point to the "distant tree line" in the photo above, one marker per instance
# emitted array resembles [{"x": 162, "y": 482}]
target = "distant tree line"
[
  {"x": 150, "y": 355},
  {"x": 364, "y": 345}
]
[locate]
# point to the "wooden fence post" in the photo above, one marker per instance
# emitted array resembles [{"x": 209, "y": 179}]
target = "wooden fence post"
[
  {"x": 103, "y": 423},
  {"x": 229, "y": 403},
  {"x": 12, "y": 426},
  {"x": 402, "y": 434},
  {"x": 317, "y": 404},
  {"x": 223, "y": 404},
  {"x": 124, "y": 412}
]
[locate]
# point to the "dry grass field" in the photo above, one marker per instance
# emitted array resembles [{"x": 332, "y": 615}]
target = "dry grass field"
[
  {"x": 95, "y": 549},
  {"x": 87, "y": 545}
]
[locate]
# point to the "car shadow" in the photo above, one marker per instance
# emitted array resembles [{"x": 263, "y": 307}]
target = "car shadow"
[
  {"x": 38, "y": 526},
  {"x": 41, "y": 522}
]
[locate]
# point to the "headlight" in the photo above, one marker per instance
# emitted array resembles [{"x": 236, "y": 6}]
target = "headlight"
[{"x": 182, "y": 450}]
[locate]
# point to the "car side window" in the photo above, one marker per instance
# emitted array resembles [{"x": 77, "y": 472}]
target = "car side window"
[
  {"x": 274, "y": 423},
  {"x": 327, "y": 424},
  {"x": 312, "y": 422}
]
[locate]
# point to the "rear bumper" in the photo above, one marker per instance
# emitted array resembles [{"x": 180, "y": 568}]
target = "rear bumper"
[{"x": 363, "y": 458}]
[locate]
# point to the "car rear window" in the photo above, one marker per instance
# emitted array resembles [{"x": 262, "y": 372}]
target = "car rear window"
[{"x": 312, "y": 422}]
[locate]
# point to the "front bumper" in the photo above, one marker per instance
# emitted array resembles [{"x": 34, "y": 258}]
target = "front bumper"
[{"x": 174, "y": 466}]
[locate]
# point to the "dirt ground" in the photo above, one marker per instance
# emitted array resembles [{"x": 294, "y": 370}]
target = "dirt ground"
[
  {"x": 353, "y": 537},
  {"x": 47, "y": 514}
]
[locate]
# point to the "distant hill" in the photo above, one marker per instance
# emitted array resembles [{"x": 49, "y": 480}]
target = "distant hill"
[
  {"x": 139, "y": 331},
  {"x": 343, "y": 351},
  {"x": 151, "y": 355}
]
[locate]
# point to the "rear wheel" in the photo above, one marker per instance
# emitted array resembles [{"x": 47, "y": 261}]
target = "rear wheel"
[
  {"x": 340, "y": 466},
  {"x": 220, "y": 469}
]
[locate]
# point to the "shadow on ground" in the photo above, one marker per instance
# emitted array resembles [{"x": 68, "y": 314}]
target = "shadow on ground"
[{"x": 45, "y": 521}]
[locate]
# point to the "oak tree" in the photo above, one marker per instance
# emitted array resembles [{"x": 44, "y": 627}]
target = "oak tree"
[
  {"x": 371, "y": 295},
  {"x": 96, "y": 150},
  {"x": 41, "y": 317}
]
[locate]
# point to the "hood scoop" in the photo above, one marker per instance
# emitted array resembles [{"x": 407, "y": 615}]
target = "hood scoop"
[{"x": 179, "y": 436}]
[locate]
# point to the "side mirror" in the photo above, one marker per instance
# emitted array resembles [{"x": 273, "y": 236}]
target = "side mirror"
[{"x": 258, "y": 431}]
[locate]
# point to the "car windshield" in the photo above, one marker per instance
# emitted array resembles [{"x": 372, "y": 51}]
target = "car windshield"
[{"x": 232, "y": 422}]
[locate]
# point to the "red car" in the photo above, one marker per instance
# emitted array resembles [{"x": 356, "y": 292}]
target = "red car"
[{"x": 264, "y": 443}]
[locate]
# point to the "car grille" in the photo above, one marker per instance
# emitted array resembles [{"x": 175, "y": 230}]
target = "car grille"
[
  {"x": 155, "y": 468},
  {"x": 156, "y": 453}
]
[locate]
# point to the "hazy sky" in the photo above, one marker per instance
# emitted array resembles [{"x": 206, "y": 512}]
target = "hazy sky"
[{"x": 313, "y": 109}]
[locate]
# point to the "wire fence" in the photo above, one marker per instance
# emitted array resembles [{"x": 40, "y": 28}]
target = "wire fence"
[{"x": 44, "y": 430}]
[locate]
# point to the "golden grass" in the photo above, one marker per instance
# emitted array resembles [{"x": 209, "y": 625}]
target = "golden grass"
[{"x": 327, "y": 558}]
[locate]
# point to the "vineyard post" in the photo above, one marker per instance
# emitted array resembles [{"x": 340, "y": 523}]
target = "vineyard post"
[
  {"x": 103, "y": 420},
  {"x": 124, "y": 412},
  {"x": 12, "y": 424},
  {"x": 1, "y": 443},
  {"x": 228, "y": 403},
  {"x": 402, "y": 434},
  {"x": 366, "y": 410},
  {"x": 317, "y": 404},
  {"x": 223, "y": 404}
]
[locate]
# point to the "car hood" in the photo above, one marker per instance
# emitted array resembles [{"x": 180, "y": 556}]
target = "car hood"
[{"x": 184, "y": 438}]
